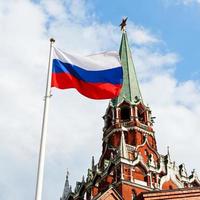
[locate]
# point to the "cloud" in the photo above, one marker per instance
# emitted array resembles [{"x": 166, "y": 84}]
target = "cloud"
[
  {"x": 176, "y": 106},
  {"x": 141, "y": 36},
  {"x": 75, "y": 124},
  {"x": 155, "y": 62}
]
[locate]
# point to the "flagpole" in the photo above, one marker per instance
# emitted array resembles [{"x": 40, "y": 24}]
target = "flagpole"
[{"x": 40, "y": 170}]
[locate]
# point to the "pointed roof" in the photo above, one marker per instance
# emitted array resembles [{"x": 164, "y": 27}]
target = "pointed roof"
[{"x": 130, "y": 90}]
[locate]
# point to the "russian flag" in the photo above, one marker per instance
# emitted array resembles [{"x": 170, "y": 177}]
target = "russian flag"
[{"x": 97, "y": 76}]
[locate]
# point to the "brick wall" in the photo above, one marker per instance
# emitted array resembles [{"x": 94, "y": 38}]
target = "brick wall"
[{"x": 183, "y": 194}]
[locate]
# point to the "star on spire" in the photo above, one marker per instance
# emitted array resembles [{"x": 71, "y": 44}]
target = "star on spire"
[{"x": 123, "y": 24}]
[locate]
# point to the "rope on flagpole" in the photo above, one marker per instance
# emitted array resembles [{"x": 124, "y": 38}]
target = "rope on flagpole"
[{"x": 40, "y": 170}]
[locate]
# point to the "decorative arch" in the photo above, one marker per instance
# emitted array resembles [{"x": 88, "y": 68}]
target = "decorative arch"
[
  {"x": 125, "y": 113},
  {"x": 170, "y": 178},
  {"x": 140, "y": 172}
]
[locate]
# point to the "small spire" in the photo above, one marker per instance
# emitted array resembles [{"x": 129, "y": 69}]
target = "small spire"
[
  {"x": 168, "y": 151},
  {"x": 122, "y": 147},
  {"x": 92, "y": 162},
  {"x": 67, "y": 187}
]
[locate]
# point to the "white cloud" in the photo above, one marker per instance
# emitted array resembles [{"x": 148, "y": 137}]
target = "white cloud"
[
  {"x": 75, "y": 124},
  {"x": 141, "y": 36},
  {"x": 177, "y": 108},
  {"x": 154, "y": 63}
]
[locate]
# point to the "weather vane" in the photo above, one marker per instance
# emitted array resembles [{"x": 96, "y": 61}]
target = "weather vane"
[{"x": 123, "y": 24}]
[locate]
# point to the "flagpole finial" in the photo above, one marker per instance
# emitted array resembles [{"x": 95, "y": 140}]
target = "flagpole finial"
[
  {"x": 52, "y": 40},
  {"x": 123, "y": 24}
]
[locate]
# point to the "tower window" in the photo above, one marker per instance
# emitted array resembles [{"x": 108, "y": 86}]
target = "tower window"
[
  {"x": 154, "y": 178},
  {"x": 125, "y": 113},
  {"x": 141, "y": 117}
]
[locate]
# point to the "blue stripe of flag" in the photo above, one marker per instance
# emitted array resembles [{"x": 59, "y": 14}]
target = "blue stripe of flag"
[{"x": 113, "y": 75}]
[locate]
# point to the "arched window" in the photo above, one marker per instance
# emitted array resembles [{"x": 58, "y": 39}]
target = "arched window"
[
  {"x": 125, "y": 113},
  {"x": 141, "y": 116},
  {"x": 153, "y": 178}
]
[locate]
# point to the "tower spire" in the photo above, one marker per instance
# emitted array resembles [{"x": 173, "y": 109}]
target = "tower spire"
[{"x": 130, "y": 91}]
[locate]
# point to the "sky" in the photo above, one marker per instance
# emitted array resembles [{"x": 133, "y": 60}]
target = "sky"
[{"x": 164, "y": 38}]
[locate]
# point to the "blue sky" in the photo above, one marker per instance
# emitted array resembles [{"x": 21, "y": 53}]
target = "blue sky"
[
  {"x": 176, "y": 24},
  {"x": 164, "y": 38}
]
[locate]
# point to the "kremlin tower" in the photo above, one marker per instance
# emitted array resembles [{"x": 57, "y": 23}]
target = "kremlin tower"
[{"x": 130, "y": 166}]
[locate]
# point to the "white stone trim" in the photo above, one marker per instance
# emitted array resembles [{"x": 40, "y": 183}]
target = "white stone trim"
[{"x": 128, "y": 128}]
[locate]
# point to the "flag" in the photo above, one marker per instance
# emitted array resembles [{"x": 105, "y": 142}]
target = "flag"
[{"x": 97, "y": 76}]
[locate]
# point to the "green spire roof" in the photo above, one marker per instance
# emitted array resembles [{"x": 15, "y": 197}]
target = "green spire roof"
[{"x": 130, "y": 90}]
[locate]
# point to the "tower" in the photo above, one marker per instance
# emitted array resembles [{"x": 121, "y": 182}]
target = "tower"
[{"x": 130, "y": 164}]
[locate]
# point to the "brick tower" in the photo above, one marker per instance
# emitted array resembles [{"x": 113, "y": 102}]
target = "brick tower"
[{"x": 130, "y": 165}]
